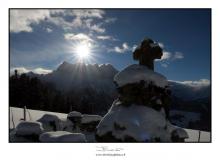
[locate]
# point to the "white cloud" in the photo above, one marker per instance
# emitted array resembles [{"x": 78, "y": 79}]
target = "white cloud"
[
  {"x": 97, "y": 28},
  {"x": 125, "y": 46},
  {"x": 78, "y": 37},
  {"x": 49, "y": 30},
  {"x": 166, "y": 55},
  {"x": 88, "y": 13},
  {"x": 134, "y": 47},
  {"x": 165, "y": 65},
  {"x": 77, "y": 22},
  {"x": 122, "y": 49},
  {"x": 104, "y": 37},
  {"x": 161, "y": 44},
  {"x": 82, "y": 18},
  {"x": 41, "y": 71},
  {"x": 201, "y": 82},
  {"x": 19, "y": 70},
  {"x": 196, "y": 84},
  {"x": 110, "y": 20},
  {"x": 21, "y": 20},
  {"x": 25, "y": 70},
  {"x": 178, "y": 55}
]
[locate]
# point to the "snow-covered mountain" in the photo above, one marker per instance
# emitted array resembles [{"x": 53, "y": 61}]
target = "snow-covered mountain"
[
  {"x": 80, "y": 76},
  {"x": 188, "y": 92},
  {"x": 100, "y": 77}
]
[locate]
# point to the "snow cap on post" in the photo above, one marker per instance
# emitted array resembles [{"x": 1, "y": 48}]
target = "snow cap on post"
[{"x": 136, "y": 73}]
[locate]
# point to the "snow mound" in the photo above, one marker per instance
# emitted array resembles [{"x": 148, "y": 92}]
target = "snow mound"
[
  {"x": 74, "y": 114},
  {"x": 180, "y": 133},
  {"x": 136, "y": 73},
  {"x": 90, "y": 118},
  {"x": 75, "y": 117},
  {"x": 67, "y": 125},
  {"x": 134, "y": 123},
  {"x": 13, "y": 137},
  {"x": 89, "y": 122},
  {"x": 28, "y": 128},
  {"x": 62, "y": 136},
  {"x": 50, "y": 122}
]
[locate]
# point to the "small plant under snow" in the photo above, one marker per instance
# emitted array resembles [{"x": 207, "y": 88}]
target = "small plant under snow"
[
  {"x": 74, "y": 114},
  {"x": 50, "y": 122},
  {"x": 28, "y": 128}
]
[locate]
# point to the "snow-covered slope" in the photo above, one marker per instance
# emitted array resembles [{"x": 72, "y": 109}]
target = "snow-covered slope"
[
  {"x": 188, "y": 92},
  {"x": 183, "y": 118},
  {"x": 16, "y": 114}
]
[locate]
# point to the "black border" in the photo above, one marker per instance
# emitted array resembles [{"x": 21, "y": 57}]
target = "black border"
[{"x": 210, "y": 9}]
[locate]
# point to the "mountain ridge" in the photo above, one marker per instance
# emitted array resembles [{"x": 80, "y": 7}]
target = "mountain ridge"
[{"x": 67, "y": 76}]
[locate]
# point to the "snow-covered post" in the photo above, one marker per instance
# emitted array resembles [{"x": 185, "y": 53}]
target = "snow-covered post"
[{"x": 25, "y": 113}]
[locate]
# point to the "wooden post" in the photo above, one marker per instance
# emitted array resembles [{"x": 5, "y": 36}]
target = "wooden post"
[
  {"x": 25, "y": 113},
  {"x": 199, "y": 135}
]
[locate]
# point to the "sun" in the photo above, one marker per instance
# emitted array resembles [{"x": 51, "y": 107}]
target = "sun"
[{"x": 83, "y": 51}]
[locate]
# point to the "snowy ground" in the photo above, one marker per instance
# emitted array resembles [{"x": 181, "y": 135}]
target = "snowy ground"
[{"x": 16, "y": 114}]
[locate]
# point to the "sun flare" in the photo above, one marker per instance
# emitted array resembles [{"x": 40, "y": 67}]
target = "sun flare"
[{"x": 83, "y": 51}]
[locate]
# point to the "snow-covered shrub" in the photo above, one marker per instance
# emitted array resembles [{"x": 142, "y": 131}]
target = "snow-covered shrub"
[
  {"x": 179, "y": 135},
  {"x": 27, "y": 128},
  {"x": 134, "y": 123},
  {"x": 67, "y": 125},
  {"x": 50, "y": 122},
  {"x": 13, "y": 137},
  {"x": 75, "y": 117}
]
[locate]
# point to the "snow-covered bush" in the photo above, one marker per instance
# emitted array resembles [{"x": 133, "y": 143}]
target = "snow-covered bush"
[
  {"x": 67, "y": 125},
  {"x": 134, "y": 123},
  {"x": 27, "y": 128},
  {"x": 179, "y": 135},
  {"x": 74, "y": 116},
  {"x": 50, "y": 122}
]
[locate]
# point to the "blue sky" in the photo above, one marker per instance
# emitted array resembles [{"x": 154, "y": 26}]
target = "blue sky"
[{"x": 42, "y": 39}]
